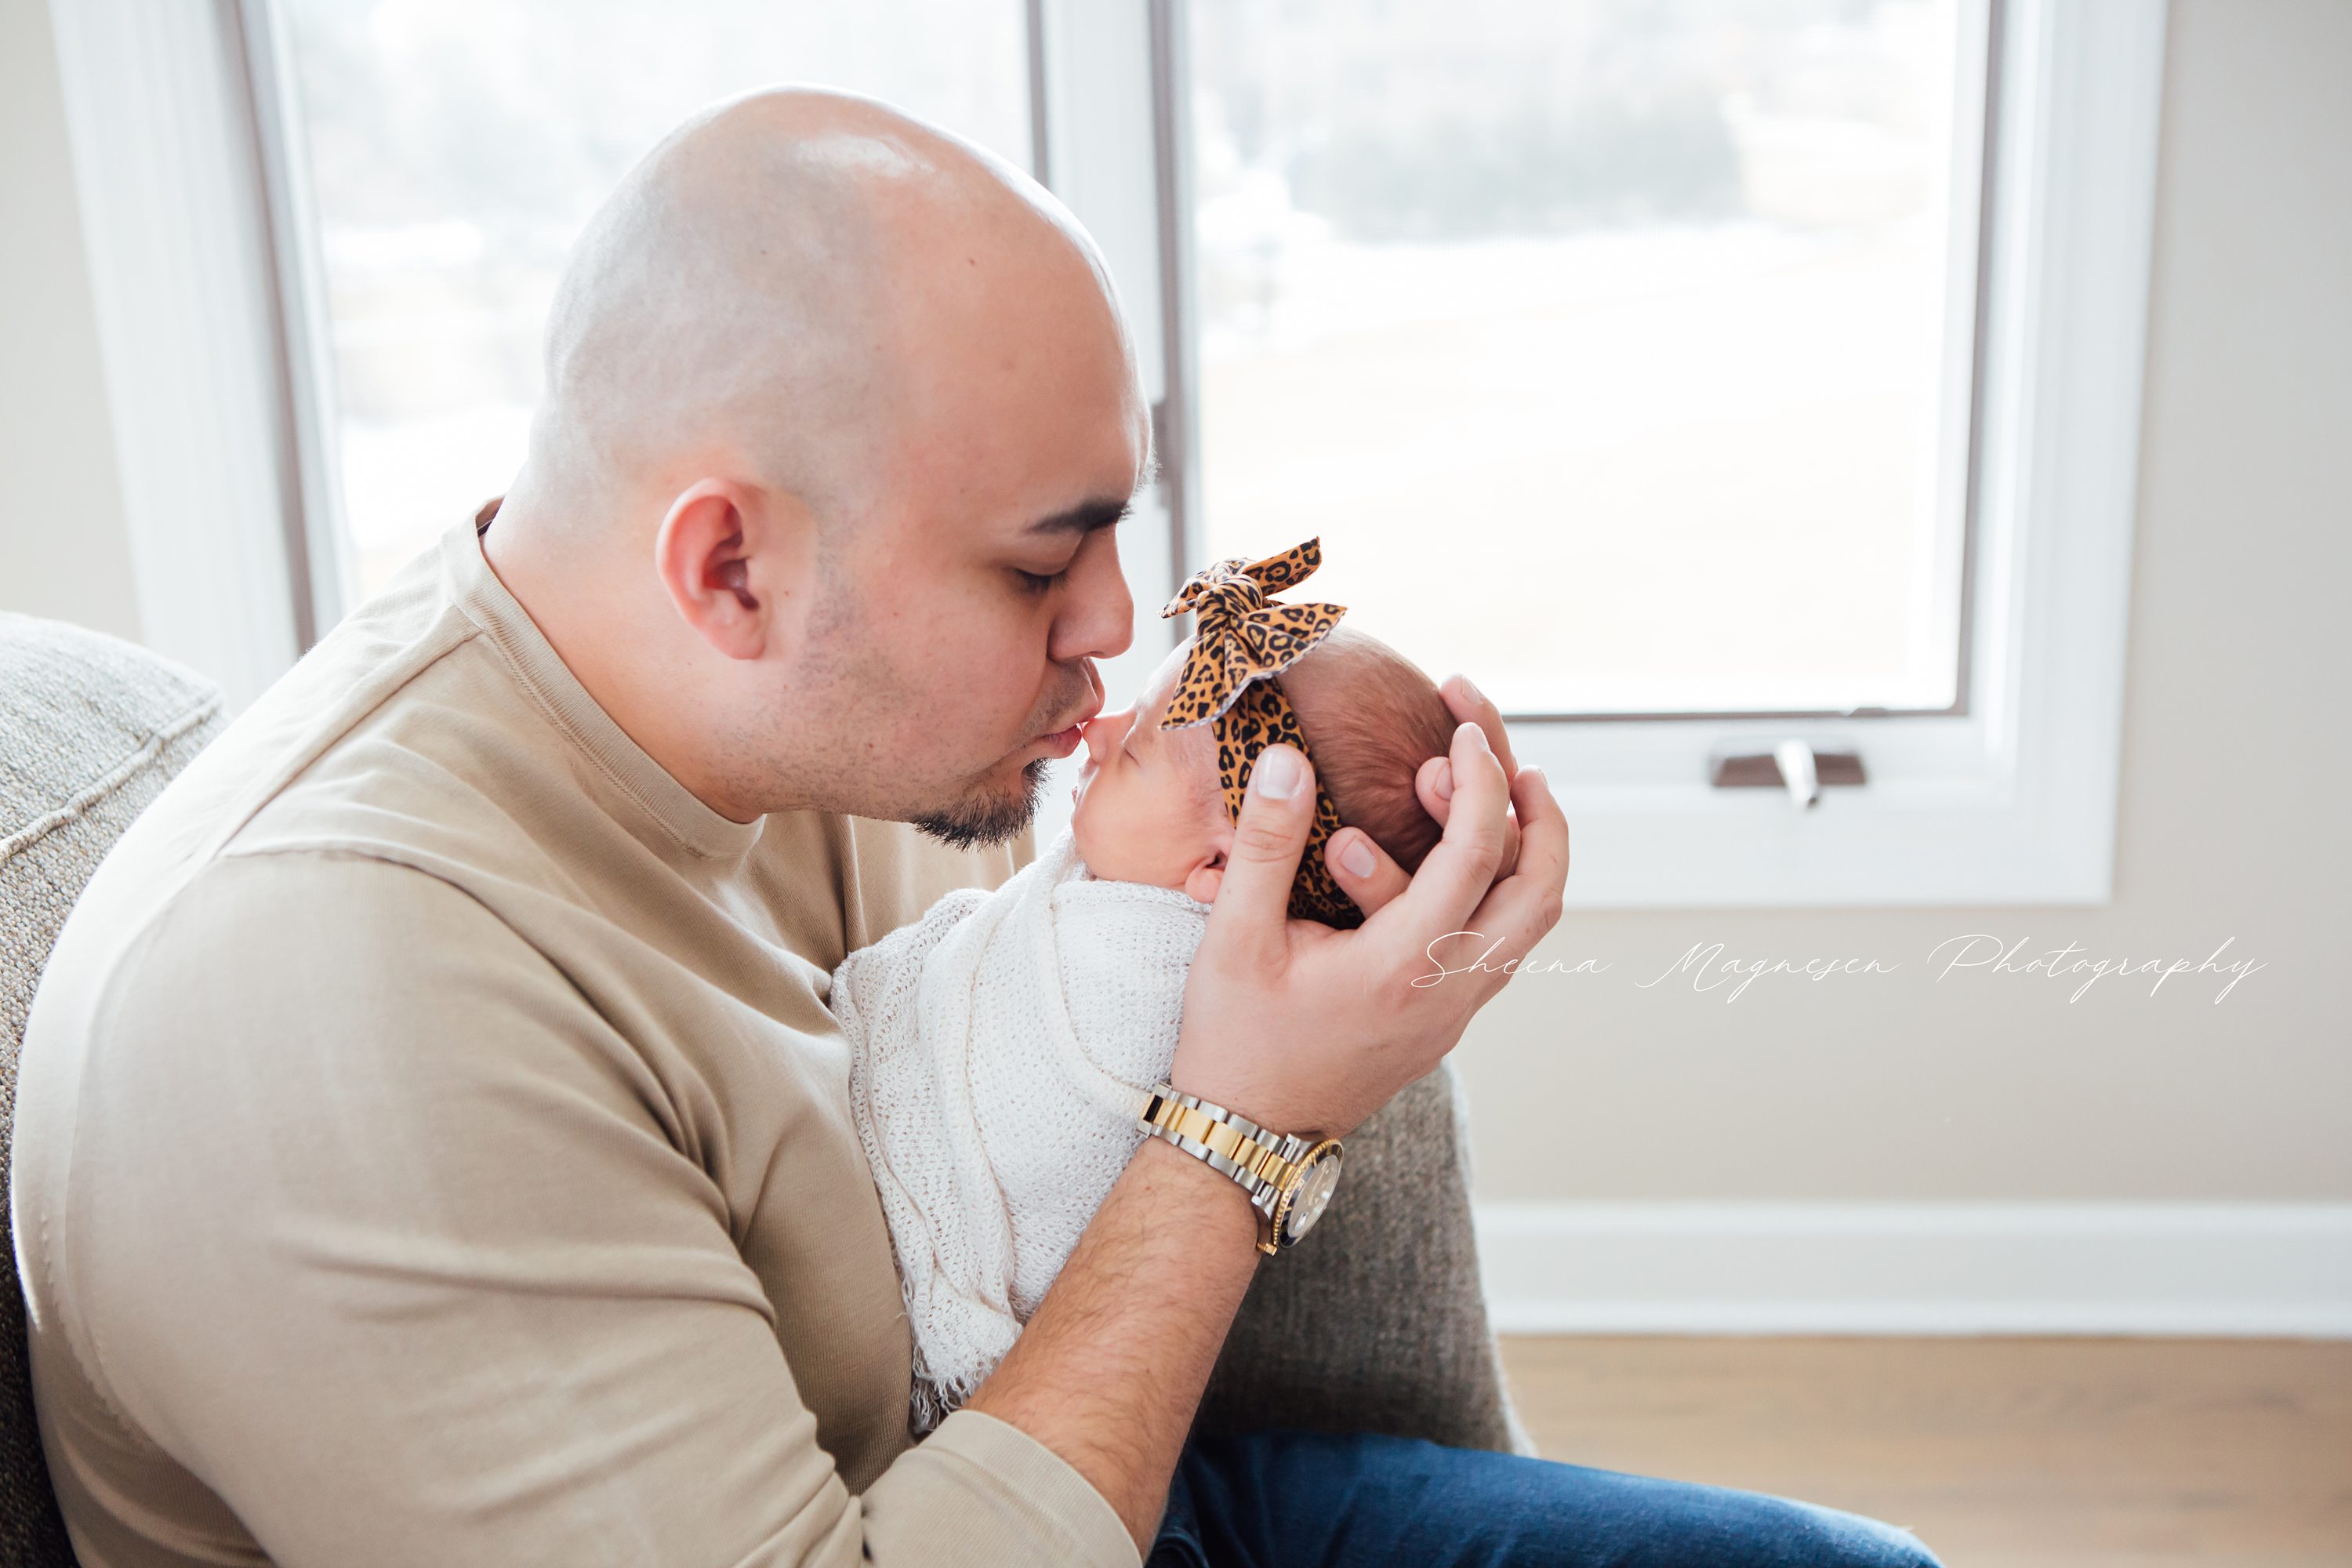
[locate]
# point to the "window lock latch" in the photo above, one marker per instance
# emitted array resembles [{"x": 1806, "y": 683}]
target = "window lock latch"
[{"x": 1792, "y": 766}]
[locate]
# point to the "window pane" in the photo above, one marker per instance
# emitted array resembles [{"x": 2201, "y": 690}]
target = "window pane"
[
  {"x": 456, "y": 146},
  {"x": 1609, "y": 346}
]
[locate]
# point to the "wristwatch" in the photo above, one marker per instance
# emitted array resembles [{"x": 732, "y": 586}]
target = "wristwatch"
[{"x": 1289, "y": 1178}]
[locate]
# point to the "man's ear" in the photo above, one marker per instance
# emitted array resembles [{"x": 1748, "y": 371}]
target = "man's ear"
[{"x": 725, "y": 554}]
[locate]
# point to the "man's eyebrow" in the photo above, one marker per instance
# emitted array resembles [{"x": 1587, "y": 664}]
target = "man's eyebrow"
[{"x": 1086, "y": 516}]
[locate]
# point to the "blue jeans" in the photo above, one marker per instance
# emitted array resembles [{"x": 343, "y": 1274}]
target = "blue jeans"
[{"x": 1306, "y": 1499}]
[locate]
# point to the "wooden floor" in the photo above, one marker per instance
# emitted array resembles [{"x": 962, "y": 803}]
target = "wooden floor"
[{"x": 1998, "y": 1453}]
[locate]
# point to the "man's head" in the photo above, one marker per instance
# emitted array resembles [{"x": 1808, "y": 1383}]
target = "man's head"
[{"x": 840, "y": 409}]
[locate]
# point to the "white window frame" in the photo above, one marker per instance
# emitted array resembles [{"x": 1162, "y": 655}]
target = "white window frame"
[
  {"x": 206, "y": 291},
  {"x": 2014, "y": 800},
  {"x": 184, "y": 282}
]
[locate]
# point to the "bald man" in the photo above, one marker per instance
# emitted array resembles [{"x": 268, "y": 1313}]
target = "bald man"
[{"x": 433, "y": 1145}]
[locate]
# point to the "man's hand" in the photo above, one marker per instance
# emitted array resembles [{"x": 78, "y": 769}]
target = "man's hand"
[
  {"x": 1362, "y": 868},
  {"x": 1304, "y": 1028}
]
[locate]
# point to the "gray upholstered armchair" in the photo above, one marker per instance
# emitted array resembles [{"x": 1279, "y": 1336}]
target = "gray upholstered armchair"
[
  {"x": 90, "y": 731},
  {"x": 1376, "y": 1324}
]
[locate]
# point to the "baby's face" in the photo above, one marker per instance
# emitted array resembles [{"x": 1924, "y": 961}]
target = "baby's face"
[{"x": 1151, "y": 808}]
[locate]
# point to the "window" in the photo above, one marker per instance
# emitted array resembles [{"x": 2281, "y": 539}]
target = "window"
[
  {"x": 1774, "y": 390},
  {"x": 1653, "y": 324},
  {"x": 456, "y": 146}
]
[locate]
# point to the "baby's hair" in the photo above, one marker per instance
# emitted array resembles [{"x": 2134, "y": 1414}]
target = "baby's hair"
[{"x": 1371, "y": 719}]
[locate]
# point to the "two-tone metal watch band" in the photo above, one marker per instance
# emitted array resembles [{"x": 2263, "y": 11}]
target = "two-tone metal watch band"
[{"x": 1260, "y": 1160}]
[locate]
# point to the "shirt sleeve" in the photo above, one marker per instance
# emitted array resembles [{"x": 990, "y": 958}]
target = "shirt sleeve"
[{"x": 377, "y": 1227}]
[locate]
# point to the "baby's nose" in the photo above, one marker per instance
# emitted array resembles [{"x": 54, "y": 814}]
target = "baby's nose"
[{"x": 1104, "y": 732}]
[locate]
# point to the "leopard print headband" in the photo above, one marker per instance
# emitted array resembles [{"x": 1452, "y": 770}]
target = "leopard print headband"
[{"x": 1242, "y": 640}]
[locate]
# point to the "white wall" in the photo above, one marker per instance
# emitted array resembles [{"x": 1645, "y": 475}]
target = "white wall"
[
  {"x": 63, "y": 548},
  {"x": 2237, "y": 763}
]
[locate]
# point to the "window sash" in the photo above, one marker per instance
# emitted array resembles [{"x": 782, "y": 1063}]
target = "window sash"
[{"x": 1960, "y": 364}]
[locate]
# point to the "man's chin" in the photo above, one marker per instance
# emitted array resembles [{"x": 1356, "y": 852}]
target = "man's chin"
[{"x": 988, "y": 818}]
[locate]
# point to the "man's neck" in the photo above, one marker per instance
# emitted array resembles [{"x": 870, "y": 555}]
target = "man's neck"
[{"x": 577, "y": 600}]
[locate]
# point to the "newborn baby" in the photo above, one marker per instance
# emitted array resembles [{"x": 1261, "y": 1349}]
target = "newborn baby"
[{"x": 1004, "y": 1047}]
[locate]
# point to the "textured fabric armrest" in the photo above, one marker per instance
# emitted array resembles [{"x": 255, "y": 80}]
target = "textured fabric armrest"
[{"x": 1377, "y": 1321}]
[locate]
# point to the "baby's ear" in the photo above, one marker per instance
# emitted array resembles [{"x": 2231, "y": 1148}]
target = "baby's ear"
[{"x": 1202, "y": 882}]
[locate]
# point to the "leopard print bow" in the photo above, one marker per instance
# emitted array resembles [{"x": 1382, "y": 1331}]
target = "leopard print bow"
[{"x": 1242, "y": 641}]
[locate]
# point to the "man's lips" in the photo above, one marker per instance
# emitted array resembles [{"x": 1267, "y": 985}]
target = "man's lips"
[{"x": 1065, "y": 741}]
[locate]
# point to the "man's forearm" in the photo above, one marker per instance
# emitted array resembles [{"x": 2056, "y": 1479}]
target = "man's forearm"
[{"x": 1110, "y": 1370}]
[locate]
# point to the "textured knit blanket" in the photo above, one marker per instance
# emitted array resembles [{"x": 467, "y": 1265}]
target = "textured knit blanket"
[{"x": 1002, "y": 1050}]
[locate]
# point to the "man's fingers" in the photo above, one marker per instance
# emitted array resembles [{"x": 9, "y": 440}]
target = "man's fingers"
[
  {"x": 1456, "y": 874},
  {"x": 1524, "y": 906},
  {"x": 1434, "y": 787},
  {"x": 1277, "y": 809},
  {"x": 1363, "y": 869},
  {"x": 1541, "y": 820},
  {"x": 1470, "y": 706}
]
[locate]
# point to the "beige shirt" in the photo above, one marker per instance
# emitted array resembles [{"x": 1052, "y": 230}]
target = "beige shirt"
[{"x": 433, "y": 1147}]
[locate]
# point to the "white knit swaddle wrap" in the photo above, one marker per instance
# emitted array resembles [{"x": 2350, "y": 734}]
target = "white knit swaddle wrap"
[{"x": 1001, "y": 1050}]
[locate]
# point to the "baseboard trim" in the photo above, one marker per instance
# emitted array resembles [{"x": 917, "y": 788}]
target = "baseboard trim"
[{"x": 2232, "y": 1270}]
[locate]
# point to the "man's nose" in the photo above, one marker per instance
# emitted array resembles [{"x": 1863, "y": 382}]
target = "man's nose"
[{"x": 1099, "y": 619}]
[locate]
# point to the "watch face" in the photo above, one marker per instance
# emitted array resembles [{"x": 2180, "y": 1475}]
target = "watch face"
[{"x": 1312, "y": 1197}]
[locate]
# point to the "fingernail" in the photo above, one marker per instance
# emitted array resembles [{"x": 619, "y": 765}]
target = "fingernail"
[
  {"x": 1276, "y": 776},
  {"x": 1477, "y": 733},
  {"x": 1357, "y": 858},
  {"x": 1470, "y": 690},
  {"x": 1444, "y": 783}
]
